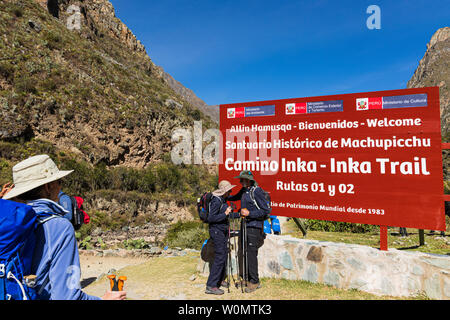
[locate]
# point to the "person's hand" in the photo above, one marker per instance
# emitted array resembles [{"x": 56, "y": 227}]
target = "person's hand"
[
  {"x": 115, "y": 295},
  {"x": 6, "y": 188},
  {"x": 229, "y": 209},
  {"x": 245, "y": 212}
]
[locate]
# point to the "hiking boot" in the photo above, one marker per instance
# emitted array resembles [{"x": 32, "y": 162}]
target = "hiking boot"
[
  {"x": 252, "y": 287},
  {"x": 225, "y": 284},
  {"x": 215, "y": 290}
]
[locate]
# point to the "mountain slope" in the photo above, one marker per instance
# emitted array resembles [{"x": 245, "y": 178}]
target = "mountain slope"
[
  {"x": 434, "y": 70},
  {"x": 94, "y": 91},
  {"x": 189, "y": 95}
]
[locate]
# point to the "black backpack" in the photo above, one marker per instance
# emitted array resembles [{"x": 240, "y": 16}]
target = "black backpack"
[
  {"x": 207, "y": 253},
  {"x": 77, "y": 214},
  {"x": 203, "y": 206},
  {"x": 266, "y": 196}
]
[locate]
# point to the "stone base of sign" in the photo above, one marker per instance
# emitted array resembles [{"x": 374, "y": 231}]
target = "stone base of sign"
[{"x": 347, "y": 266}]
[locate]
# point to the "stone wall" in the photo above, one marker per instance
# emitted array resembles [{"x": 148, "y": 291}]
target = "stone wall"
[{"x": 346, "y": 266}]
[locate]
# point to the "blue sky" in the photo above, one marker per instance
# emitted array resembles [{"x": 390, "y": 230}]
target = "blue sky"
[{"x": 238, "y": 51}]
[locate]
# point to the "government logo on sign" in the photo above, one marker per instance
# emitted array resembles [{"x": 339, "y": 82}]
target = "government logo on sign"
[
  {"x": 290, "y": 108},
  {"x": 362, "y": 104},
  {"x": 230, "y": 113}
]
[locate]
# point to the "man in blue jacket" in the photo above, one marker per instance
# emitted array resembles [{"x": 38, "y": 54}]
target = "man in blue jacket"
[
  {"x": 254, "y": 209},
  {"x": 55, "y": 262},
  {"x": 218, "y": 222}
]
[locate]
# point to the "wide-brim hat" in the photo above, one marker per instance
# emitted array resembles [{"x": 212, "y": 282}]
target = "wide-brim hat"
[
  {"x": 32, "y": 173},
  {"x": 224, "y": 187},
  {"x": 245, "y": 175}
]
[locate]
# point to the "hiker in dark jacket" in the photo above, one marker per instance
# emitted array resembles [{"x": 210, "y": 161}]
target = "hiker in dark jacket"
[
  {"x": 254, "y": 215},
  {"x": 218, "y": 222}
]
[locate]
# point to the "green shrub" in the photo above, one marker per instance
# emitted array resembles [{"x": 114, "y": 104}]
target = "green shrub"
[
  {"x": 190, "y": 234},
  {"x": 25, "y": 85},
  {"x": 109, "y": 220},
  {"x": 7, "y": 71},
  {"x": 168, "y": 177},
  {"x": 147, "y": 182},
  {"x": 53, "y": 40},
  {"x": 135, "y": 244},
  {"x": 101, "y": 243},
  {"x": 86, "y": 243},
  {"x": 331, "y": 226},
  {"x": 18, "y": 12},
  {"x": 49, "y": 84}
]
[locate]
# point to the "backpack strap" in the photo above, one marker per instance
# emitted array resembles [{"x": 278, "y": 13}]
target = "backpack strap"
[
  {"x": 209, "y": 204},
  {"x": 252, "y": 196},
  {"x": 44, "y": 220}
]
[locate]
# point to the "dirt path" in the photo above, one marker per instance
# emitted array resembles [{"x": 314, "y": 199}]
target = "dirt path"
[
  {"x": 176, "y": 278},
  {"x": 94, "y": 267},
  {"x": 155, "y": 278},
  {"x": 167, "y": 278}
]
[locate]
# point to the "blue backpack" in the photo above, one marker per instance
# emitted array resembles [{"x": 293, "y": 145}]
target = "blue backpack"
[
  {"x": 275, "y": 224},
  {"x": 267, "y": 227},
  {"x": 18, "y": 223}
]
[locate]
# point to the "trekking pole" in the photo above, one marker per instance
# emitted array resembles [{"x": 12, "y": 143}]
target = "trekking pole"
[
  {"x": 236, "y": 255},
  {"x": 116, "y": 284},
  {"x": 121, "y": 282},
  {"x": 232, "y": 227},
  {"x": 241, "y": 256},
  {"x": 246, "y": 252},
  {"x": 245, "y": 240},
  {"x": 113, "y": 282},
  {"x": 229, "y": 255}
]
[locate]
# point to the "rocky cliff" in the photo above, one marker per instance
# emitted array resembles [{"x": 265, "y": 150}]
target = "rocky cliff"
[
  {"x": 434, "y": 70},
  {"x": 91, "y": 90}
]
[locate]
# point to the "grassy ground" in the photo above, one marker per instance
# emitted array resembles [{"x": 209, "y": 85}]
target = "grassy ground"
[
  {"x": 169, "y": 278},
  {"x": 436, "y": 243}
]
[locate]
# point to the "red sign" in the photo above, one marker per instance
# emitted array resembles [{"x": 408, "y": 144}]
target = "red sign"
[{"x": 372, "y": 158}]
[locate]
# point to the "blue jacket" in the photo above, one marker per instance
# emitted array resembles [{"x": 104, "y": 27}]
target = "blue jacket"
[
  {"x": 66, "y": 203},
  {"x": 217, "y": 217},
  {"x": 56, "y": 262},
  {"x": 254, "y": 219}
]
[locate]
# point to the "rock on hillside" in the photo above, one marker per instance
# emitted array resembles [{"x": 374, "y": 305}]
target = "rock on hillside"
[
  {"x": 99, "y": 16},
  {"x": 93, "y": 91},
  {"x": 189, "y": 95},
  {"x": 434, "y": 70}
]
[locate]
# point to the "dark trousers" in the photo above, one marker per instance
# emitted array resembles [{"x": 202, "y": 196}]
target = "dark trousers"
[
  {"x": 217, "y": 271},
  {"x": 255, "y": 239},
  {"x": 403, "y": 231}
]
